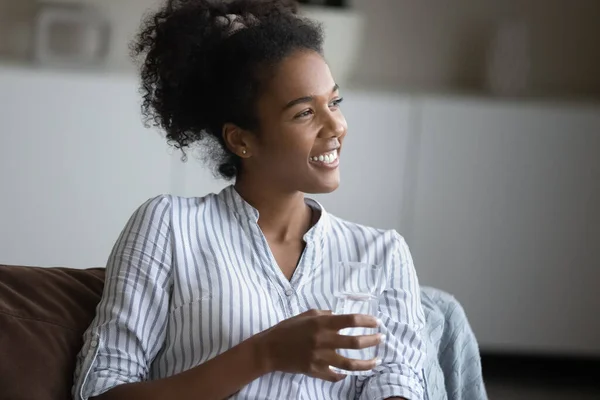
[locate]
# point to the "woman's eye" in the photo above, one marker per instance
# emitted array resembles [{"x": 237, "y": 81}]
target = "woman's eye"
[
  {"x": 336, "y": 103},
  {"x": 304, "y": 114},
  {"x": 307, "y": 113}
]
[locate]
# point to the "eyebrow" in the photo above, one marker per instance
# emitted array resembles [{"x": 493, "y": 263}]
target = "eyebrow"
[{"x": 306, "y": 99}]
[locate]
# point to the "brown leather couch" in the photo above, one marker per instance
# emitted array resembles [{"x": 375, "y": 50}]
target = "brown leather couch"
[{"x": 43, "y": 314}]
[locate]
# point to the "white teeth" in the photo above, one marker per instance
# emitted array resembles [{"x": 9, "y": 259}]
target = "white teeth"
[{"x": 326, "y": 158}]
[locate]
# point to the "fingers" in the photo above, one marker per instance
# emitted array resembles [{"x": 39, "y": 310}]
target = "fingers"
[
  {"x": 339, "y": 322},
  {"x": 336, "y": 341},
  {"x": 329, "y": 375},
  {"x": 348, "y": 364}
]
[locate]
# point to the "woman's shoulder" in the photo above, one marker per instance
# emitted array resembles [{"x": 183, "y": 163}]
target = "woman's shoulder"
[
  {"x": 172, "y": 207},
  {"x": 363, "y": 242},
  {"x": 346, "y": 227},
  {"x": 177, "y": 202}
]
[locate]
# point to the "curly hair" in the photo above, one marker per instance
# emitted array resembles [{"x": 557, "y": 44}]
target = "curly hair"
[{"x": 205, "y": 62}]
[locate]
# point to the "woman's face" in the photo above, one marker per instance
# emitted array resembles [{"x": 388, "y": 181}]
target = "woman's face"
[{"x": 301, "y": 127}]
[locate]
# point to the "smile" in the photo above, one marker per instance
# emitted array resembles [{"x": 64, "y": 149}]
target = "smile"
[{"x": 325, "y": 158}]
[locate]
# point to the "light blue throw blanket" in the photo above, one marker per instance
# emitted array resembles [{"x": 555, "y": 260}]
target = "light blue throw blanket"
[{"x": 453, "y": 367}]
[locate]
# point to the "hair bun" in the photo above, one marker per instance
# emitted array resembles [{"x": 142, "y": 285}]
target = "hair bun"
[{"x": 261, "y": 8}]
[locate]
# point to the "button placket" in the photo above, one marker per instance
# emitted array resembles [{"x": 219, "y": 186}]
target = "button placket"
[{"x": 293, "y": 302}]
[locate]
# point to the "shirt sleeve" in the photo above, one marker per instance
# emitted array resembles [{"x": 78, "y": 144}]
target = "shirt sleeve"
[
  {"x": 401, "y": 371},
  {"x": 129, "y": 327}
]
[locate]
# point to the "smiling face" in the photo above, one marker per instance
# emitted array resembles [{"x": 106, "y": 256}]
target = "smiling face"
[{"x": 301, "y": 128}]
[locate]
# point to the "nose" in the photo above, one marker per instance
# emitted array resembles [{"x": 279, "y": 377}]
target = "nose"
[{"x": 335, "y": 126}]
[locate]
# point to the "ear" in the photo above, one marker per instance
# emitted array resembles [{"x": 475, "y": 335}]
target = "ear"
[{"x": 237, "y": 140}]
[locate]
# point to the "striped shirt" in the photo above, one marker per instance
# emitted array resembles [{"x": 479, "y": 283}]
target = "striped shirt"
[{"x": 190, "y": 278}]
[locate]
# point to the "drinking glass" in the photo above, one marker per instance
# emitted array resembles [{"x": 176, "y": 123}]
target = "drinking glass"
[{"x": 357, "y": 292}]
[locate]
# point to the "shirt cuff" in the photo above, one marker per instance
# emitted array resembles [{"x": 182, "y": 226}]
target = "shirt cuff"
[
  {"x": 384, "y": 386},
  {"x": 90, "y": 381},
  {"x": 390, "y": 392}
]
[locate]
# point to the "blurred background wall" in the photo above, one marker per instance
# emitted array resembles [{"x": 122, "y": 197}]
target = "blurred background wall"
[
  {"x": 498, "y": 194},
  {"x": 408, "y": 44},
  {"x": 437, "y": 44}
]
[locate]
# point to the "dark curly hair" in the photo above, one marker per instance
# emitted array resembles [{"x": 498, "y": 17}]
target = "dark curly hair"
[{"x": 199, "y": 70}]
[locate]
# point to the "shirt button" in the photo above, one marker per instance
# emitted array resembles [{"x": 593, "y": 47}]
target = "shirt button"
[
  {"x": 289, "y": 292},
  {"x": 94, "y": 343}
]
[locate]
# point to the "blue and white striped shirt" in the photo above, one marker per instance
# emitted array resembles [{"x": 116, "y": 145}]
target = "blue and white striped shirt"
[{"x": 190, "y": 278}]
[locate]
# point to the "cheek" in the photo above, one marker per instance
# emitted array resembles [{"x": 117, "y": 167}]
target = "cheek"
[
  {"x": 295, "y": 143},
  {"x": 303, "y": 147}
]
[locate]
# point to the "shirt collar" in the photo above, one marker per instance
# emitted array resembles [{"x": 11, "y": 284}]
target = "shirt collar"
[
  {"x": 237, "y": 204},
  {"x": 243, "y": 209}
]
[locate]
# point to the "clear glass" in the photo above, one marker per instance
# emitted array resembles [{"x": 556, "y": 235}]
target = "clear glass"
[{"x": 357, "y": 292}]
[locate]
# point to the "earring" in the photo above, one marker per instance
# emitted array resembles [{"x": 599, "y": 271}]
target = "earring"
[{"x": 244, "y": 151}]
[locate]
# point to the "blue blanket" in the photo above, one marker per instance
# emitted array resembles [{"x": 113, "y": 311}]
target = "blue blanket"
[{"x": 453, "y": 367}]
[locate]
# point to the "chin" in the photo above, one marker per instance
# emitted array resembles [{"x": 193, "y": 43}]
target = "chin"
[{"x": 322, "y": 187}]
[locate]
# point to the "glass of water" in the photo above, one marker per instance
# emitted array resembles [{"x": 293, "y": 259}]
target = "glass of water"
[{"x": 357, "y": 292}]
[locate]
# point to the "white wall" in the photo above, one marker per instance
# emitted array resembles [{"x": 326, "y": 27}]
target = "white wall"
[
  {"x": 75, "y": 161},
  {"x": 419, "y": 44},
  {"x": 503, "y": 211}
]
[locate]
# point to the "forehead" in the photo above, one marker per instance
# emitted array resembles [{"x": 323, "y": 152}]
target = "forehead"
[{"x": 303, "y": 73}]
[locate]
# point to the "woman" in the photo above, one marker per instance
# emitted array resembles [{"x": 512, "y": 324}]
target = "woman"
[{"x": 227, "y": 295}]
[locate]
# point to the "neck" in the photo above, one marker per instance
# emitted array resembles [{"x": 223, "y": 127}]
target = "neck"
[{"x": 283, "y": 215}]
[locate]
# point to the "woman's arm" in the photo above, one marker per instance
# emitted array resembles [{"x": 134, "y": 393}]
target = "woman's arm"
[
  {"x": 216, "y": 379},
  {"x": 304, "y": 344},
  {"x": 131, "y": 319}
]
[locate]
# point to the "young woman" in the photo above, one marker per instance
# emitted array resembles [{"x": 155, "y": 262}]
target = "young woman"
[{"x": 228, "y": 295}]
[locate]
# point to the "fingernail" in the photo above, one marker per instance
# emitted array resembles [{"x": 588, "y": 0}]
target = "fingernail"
[
  {"x": 382, "y": 338},
  {"x": 378, "y": 362},
  {"x": 379, "y": 322}
]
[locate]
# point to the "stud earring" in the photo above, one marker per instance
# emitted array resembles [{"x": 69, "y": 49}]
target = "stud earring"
[{"x": 244, "y": 152}]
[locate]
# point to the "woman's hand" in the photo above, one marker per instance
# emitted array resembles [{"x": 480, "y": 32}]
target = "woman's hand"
[{"x": 306, "y": 344}]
